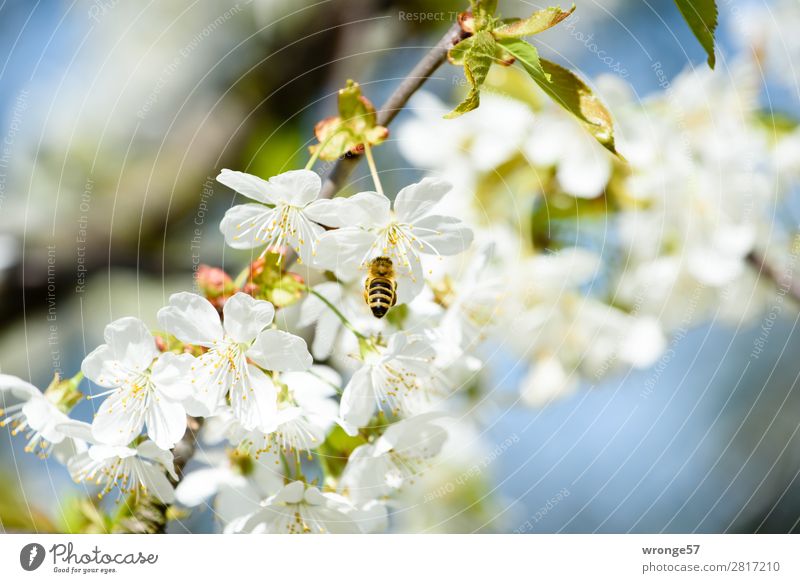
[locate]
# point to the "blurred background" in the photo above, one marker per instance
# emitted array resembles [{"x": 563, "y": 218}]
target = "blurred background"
[{"x": 115, "y": 117}]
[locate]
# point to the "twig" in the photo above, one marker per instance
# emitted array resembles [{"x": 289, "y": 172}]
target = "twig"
[
  {"x": 397, "y": 100},
  {"x": 782, "y": 279}
]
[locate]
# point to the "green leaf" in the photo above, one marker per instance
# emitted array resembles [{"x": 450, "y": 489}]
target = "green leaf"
[
  {"x": 528, "y": 57},
  {"x": 571, "y": 93},
  {"x": 534, "y": 24},
  {"x": 701, "y": 15},
  {"x": 458, "y": 53},
  {"x": 477, "y": 61},
  {"x": 355, "y": 125},
  {"x": 483, "y": 12}
]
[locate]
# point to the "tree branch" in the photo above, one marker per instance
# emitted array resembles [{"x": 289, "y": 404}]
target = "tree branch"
[
  {"x": 432, "y": 60},
  {"x": 782, "y": 279}
]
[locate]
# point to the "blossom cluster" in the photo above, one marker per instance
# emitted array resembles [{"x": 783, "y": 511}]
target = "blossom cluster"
[
  {"x": 528, "y": 239},
  {"x": 219, "y": 358}
]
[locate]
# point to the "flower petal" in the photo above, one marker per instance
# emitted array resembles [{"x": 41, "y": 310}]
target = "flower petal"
[
  {"x": 171, "y": 375},
  {"x": 157, "y": 484},
  {"x": 291, "y": 493},
  {"x": 296, "y": 187},
  {"x": 131, "y": 343},
  {"x": 19, "y": 388},
  {"x": 198, "y": 486},
  {"x": 416, "y": 200},
  {"x": 358, "y": 399},
  {"x": 192, "y": 319},
  {"x": 245, "y": 225},
  {"x": 330, "y": 212},
  {"x": 281, "y": 351},
  {"x": 369, "y": 209},
  {"x": 246, "y": 184},
  {"x": 246, "y": 316},
  {"x": 165, "y": 421},
  {"x": 442, "y": 235},
  {"x": 120, "y": 418},
  {"x": 343, "y": 250},
  {"x": 254, "y": 400}
]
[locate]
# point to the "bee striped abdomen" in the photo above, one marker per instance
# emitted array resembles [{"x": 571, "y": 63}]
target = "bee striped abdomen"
[{"x": 381, "y": 296}]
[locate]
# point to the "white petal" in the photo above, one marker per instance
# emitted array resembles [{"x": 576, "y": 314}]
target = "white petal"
[
  {"x": 280, "y": 351},
  {"x": 325, "y": 334},
  {"x": 416, "y": 200},
  {"x": 131, "y": 343},
  {"x": 191, "y": 318},
  {"x": 369, "y": 209},
  {"x": 211, "y": 377},
  {"x": 330, "y": 212},
  {"x": 44, "y": 417},
  {"x": 166, "y": 422},
  {"x": 19, "y": 388},
  {"x": 157, "y": 483},
  {"x": 254, "y": 400},
  {"x": 547, "y": 380},
  {"x": 246, "y": 184},
  {"x": 313, "y": 307},
  {"x": 296, "y": 187},
  {"x": 245, "y": 225},
  {"x": 246, "y": 316},
  {"x": 76, "y": 430},
  {"x": 292, "y": 493},
  {"x": 364, "y": 476},
  {"x": 358, "y": 399},
  {"x": 443, "y": 235},
  {"x": 149, "y": 450},
  {"x": 172, "y": 375},
  {"x": 120, "y": 418},
  {"x": 585, "y": 172},
  {"x": 343, "y": 250},
  {"x": 417, "y": 436},
  {"x": 101, "y": 366},
  {"x": 410, "y": 281},
  {"x": 643, "y": 344},
  {"x": 198, "y": 486}
]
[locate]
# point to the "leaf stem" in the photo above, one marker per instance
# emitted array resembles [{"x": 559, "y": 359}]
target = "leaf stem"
[{"x": 338, "y": 313}]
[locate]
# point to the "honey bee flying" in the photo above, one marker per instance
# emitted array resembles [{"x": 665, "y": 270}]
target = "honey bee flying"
[{"x": 380, "y": 287}]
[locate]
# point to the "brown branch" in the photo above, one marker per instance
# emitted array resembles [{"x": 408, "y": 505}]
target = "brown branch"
[
  {"x": 432, "y": 60},
  {"x": 782, "y": 279}
]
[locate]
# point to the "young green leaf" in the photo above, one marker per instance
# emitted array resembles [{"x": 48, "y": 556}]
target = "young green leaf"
[
  {"x": 534, "y": 24},
  {"x": 701, "y": 15},
  {"x": 483, "y": 12},
  {"x": 477, "y": 61},
  {"x": 355, "y": 125},
  {"x": 527, "y": 55},
  {"x": 571, "y": 93},
  {"x": 458, "y": 53}
]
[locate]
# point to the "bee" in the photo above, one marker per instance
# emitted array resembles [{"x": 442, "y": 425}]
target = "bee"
[{"x": 380, "y": 287}]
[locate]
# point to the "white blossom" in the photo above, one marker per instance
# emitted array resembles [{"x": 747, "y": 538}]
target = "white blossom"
[
  {"x": 136, "y": 469},
  {"x": 399, "y": 376},
  {"x": 299, "y": 509},
  {"x": 402, "y": 232},
  {"x": 145, "y": 387},
  {"x": 401, "y": 453},
  {"x": 286, "y": 212},
  {"x": 37, "y": 417},
  {"x": 237, "y": 347}
]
